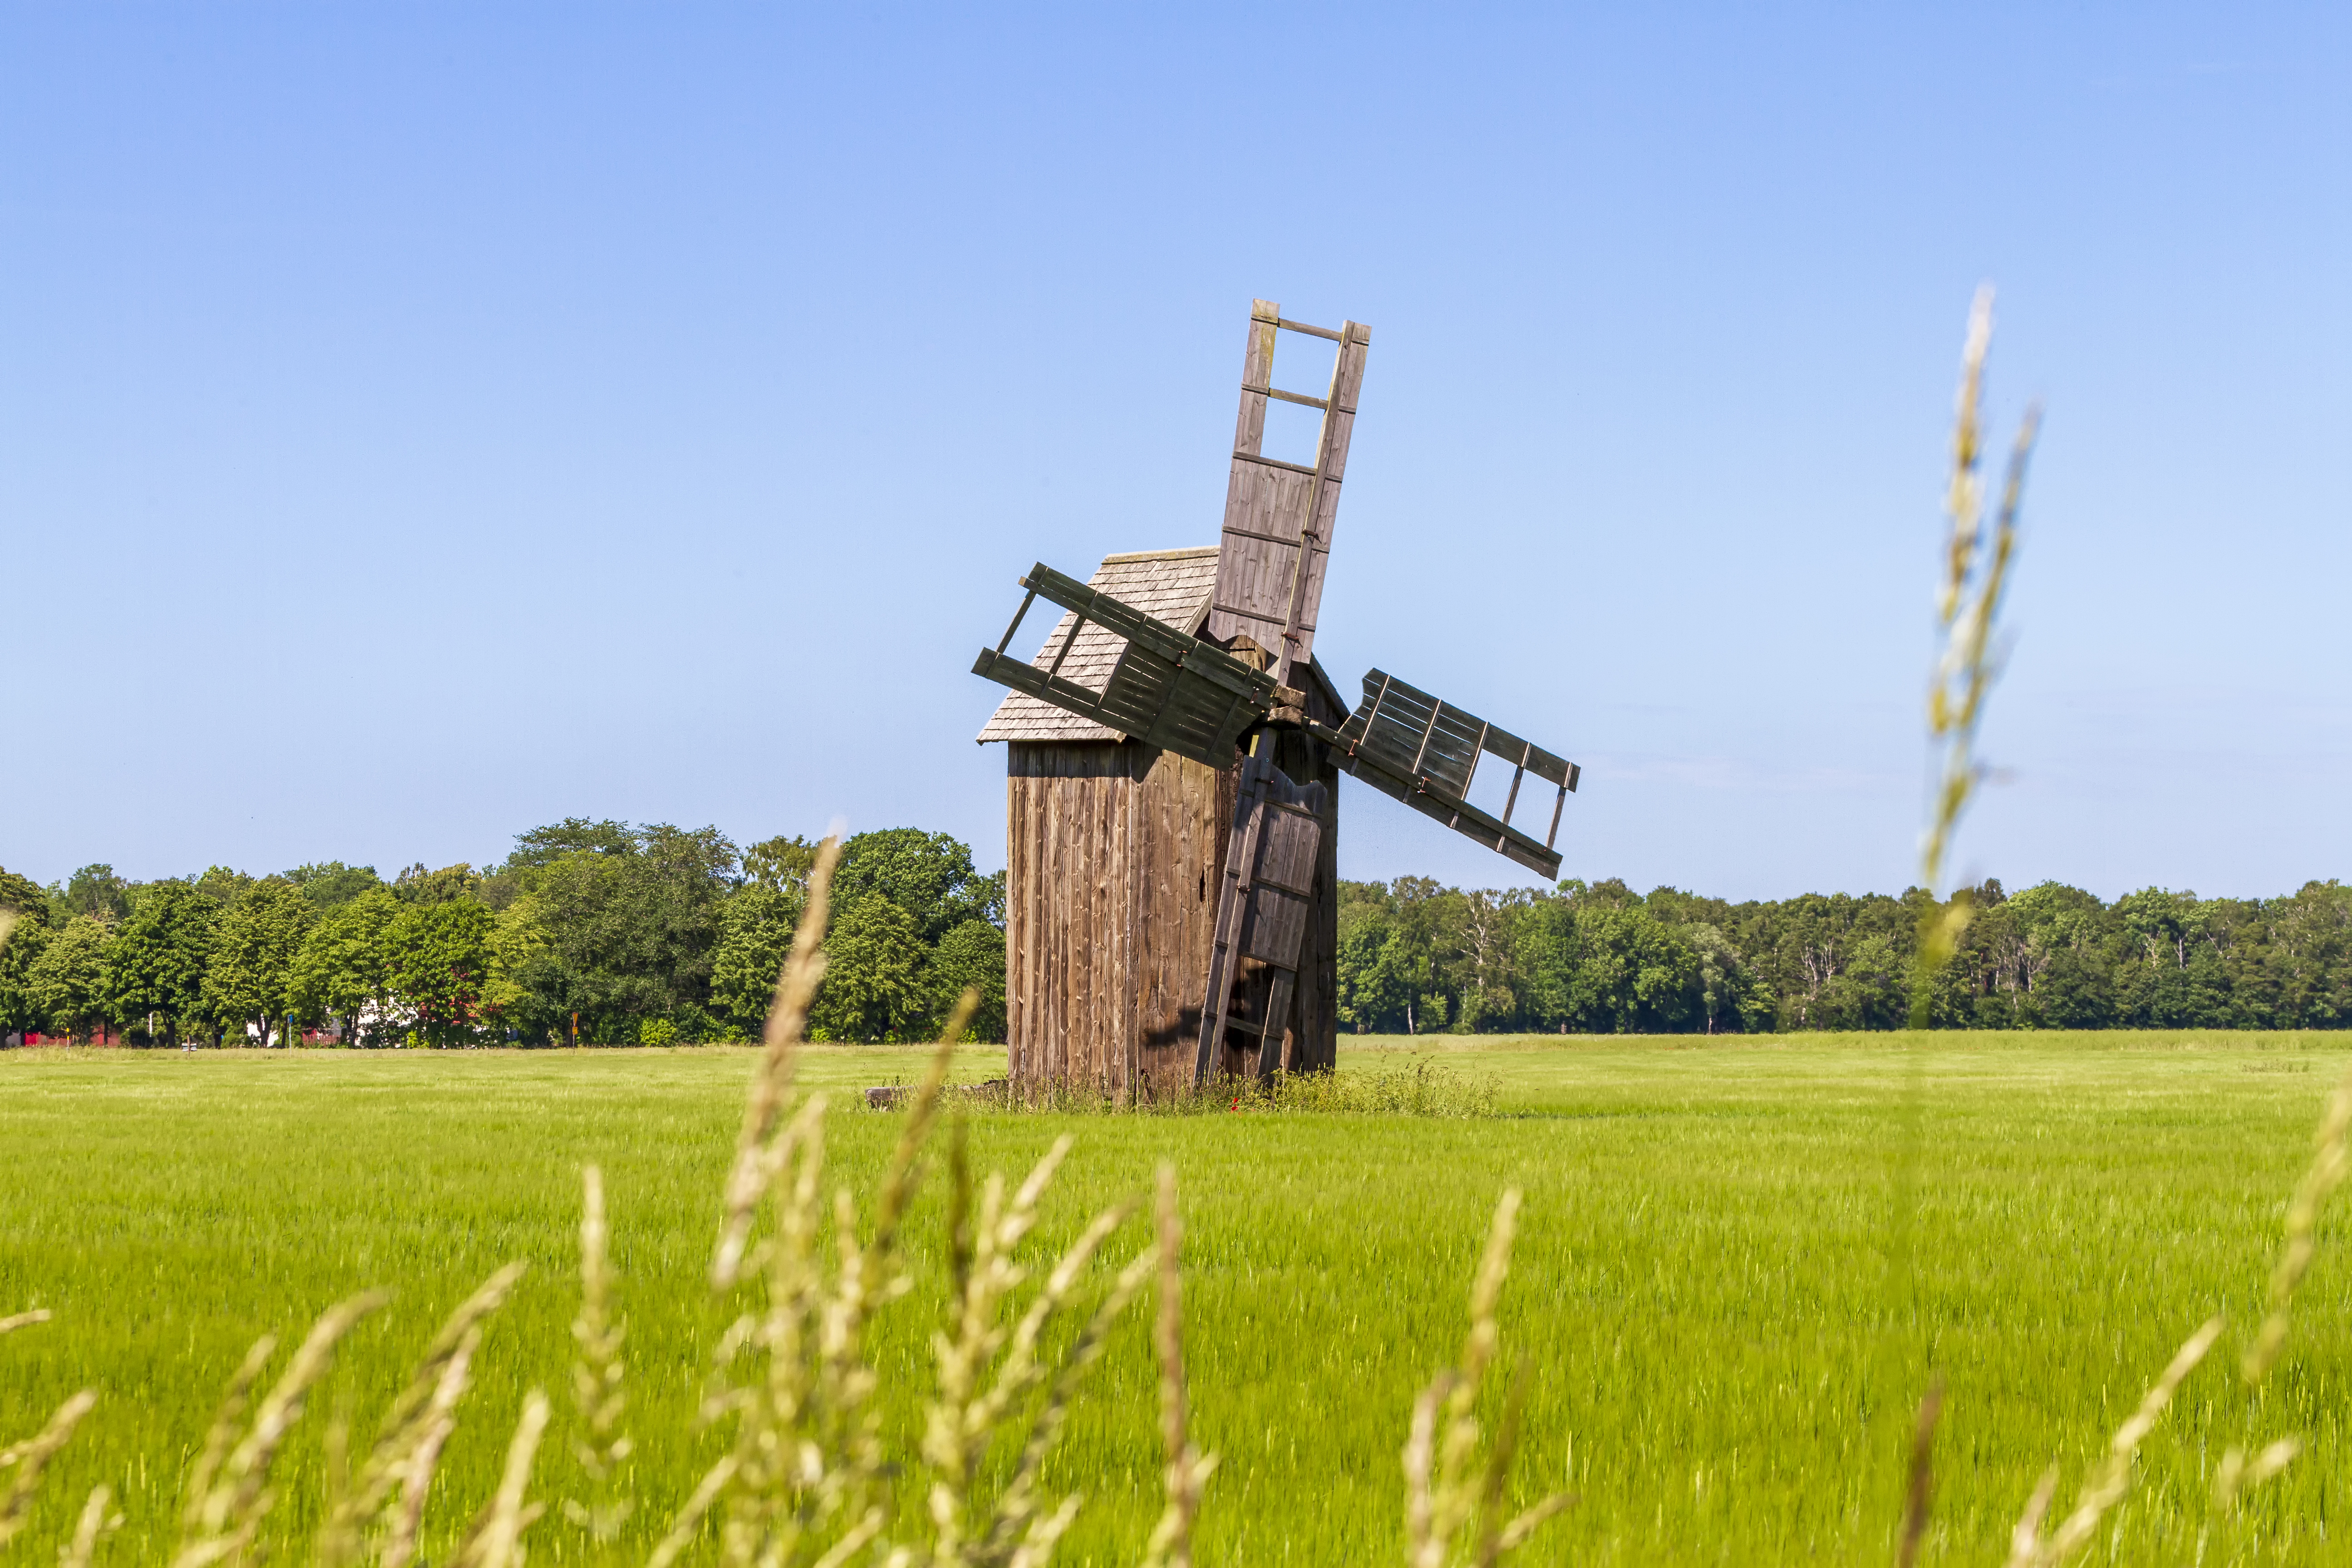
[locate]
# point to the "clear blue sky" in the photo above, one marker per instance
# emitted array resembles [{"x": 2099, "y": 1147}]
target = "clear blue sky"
[{"x": 420, "y": 422}]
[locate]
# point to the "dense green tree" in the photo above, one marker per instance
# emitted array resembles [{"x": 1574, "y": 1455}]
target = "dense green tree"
[
  {"x": 1391, "y": 949},
  {"x": 518, "y": 956},
  {"x": 417, "y": 885},
  {"x": 66, "y": 980},
  {"x": 223, "y": 885},
  {"x": 878, "y": 985},
  {"x": 441, "y": 966},
  {"x": 629, "y": 926},
  {"x": 26, "y": 904},
  {"x": 25, "y": 939},
  {"x": 93, "y": 890},
  {"x": 1634, "y": 973},
  {"x": 544, "y": 846},
  {"x": 756, "y": 926},
  {"x": 332, "y": 885},
  {"x": 155, "y": 968},
  {"x": 780, "y": 865},
  {"x": 344, "y": 970},
  {"x": 928, "y": 875},
  {"x": 248, "y": 986},
  {"x": 973, "y": 955},
  {"x": 26, "y": 897}
]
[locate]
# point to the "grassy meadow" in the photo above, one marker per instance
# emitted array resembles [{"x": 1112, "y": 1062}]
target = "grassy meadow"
[{"x": 1738, "y": 1264}]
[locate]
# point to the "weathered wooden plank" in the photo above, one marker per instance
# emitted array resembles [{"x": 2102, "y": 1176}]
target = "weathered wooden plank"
[
  {"x": 1257, "y": 369},
  {"x": 1298, "y": 397},
  {"x": 1310, "y": 331},
  {"x": 1261, "y": 460}
]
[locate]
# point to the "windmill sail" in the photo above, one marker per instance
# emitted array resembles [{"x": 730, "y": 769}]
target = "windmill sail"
[
  {"x": 1406, "y": 743},
  {"x": 1278, "y": 515},
  {"x": 1160, "y": 686}
]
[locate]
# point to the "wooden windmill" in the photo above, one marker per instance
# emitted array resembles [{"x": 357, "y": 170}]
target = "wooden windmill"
[{"x": 1175, "y": 738}]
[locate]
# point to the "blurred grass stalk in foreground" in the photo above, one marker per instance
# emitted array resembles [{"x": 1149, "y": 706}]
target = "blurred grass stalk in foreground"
[{"x": 1968, "y": 609}]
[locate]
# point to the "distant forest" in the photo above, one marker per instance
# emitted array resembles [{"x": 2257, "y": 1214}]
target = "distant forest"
[
  {"x": 614, "y": 934},
  {"x": 595, "y": 930},
  {"x": 1415, "y": 956}
]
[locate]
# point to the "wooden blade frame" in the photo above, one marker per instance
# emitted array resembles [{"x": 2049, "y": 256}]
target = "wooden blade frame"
[
  {"x": 1168, "y": 690},
  {"x": 1278, "y": 515},
  {"x": 1406, "y": 743},
  {"x": 1262, "y": 907}
]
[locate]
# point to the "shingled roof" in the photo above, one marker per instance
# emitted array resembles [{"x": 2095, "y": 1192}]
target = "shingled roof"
[{"x": 1171, "y": 586}]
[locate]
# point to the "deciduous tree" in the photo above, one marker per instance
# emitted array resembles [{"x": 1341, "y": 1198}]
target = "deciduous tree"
[
  {"x": 156, "y": 965},
  {"x": 876, "y": 986},
  {"x": 973, "y": 955},
  {"x": 249, "y": 973},
  {"x": 344, "y": 968},
  {"x": 440, "y": 966},
  {"x": 66, "y": 980}
]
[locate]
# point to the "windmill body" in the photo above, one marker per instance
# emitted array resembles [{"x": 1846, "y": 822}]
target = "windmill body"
[{"x": 1173, "y": 753}]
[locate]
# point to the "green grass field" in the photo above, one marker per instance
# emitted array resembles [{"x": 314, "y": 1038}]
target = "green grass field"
[{"x": 1737, "y": 1264}]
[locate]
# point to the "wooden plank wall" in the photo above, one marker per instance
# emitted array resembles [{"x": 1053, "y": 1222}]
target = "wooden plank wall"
[
  {"x": 1185, "y": 810},
  {"x": 1112, "y": 857},
  {"x": 1068, "y": 831}
]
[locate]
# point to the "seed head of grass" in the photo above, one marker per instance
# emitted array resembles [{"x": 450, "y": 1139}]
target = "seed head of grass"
[
  {"x": 597, "y": 1376},
  {"x": 31, "y": 1457},
  {"x": 230, "y": 1495},
  {"x": 2111, "y": 1477},
  {"x": 1975, "y": 580},
  {"x": 495, "y": 1540},
  {"x": 1453, "y": 1491},
  {"x": 95, "y": 1524},
  {"x": 1187, "y": 1470}
]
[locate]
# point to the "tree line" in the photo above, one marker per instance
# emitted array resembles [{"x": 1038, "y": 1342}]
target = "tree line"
[
  {"x": 614, "y": 934},
  {"x": 1418, "y": 957},
  {"x": 600, "y": 932}
]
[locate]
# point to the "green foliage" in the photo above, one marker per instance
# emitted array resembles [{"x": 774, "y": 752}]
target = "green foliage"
[
  {"x": 878, "y": 985},
  {"x": 159, "y": 958},
  {"x": 66, "y": 980},
  {"x": 642, "y": 931},
  {"x": 29, "y": 903},
  {"x": 928, "y": 875},
  {"x": 248, "y": 985},
  {"x": 344, "y": 969},
  {"x": 18, "y": 1008},
  {"x": 418, "y": 885},
  {"x": 1417, "y": 958},
  {"x": 440, "y": 966},
  {"x": 332, "y": 885},
  {"x": 780, "y": 865},
  {"x": 628, "y": 921},
  {"x": 223, "y": 885},
  {"x": 25, "y": 896},
  {"x": 756, "y": 926},
  {"x": 93, "y": 890},
  {"x": 543, "y": 845},
  {"x": 972, "y": 957}
]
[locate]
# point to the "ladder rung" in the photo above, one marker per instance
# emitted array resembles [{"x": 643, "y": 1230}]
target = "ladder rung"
[
  {"x": 1310, "y": 331},
  {"x": 1298, "y": 397}
]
